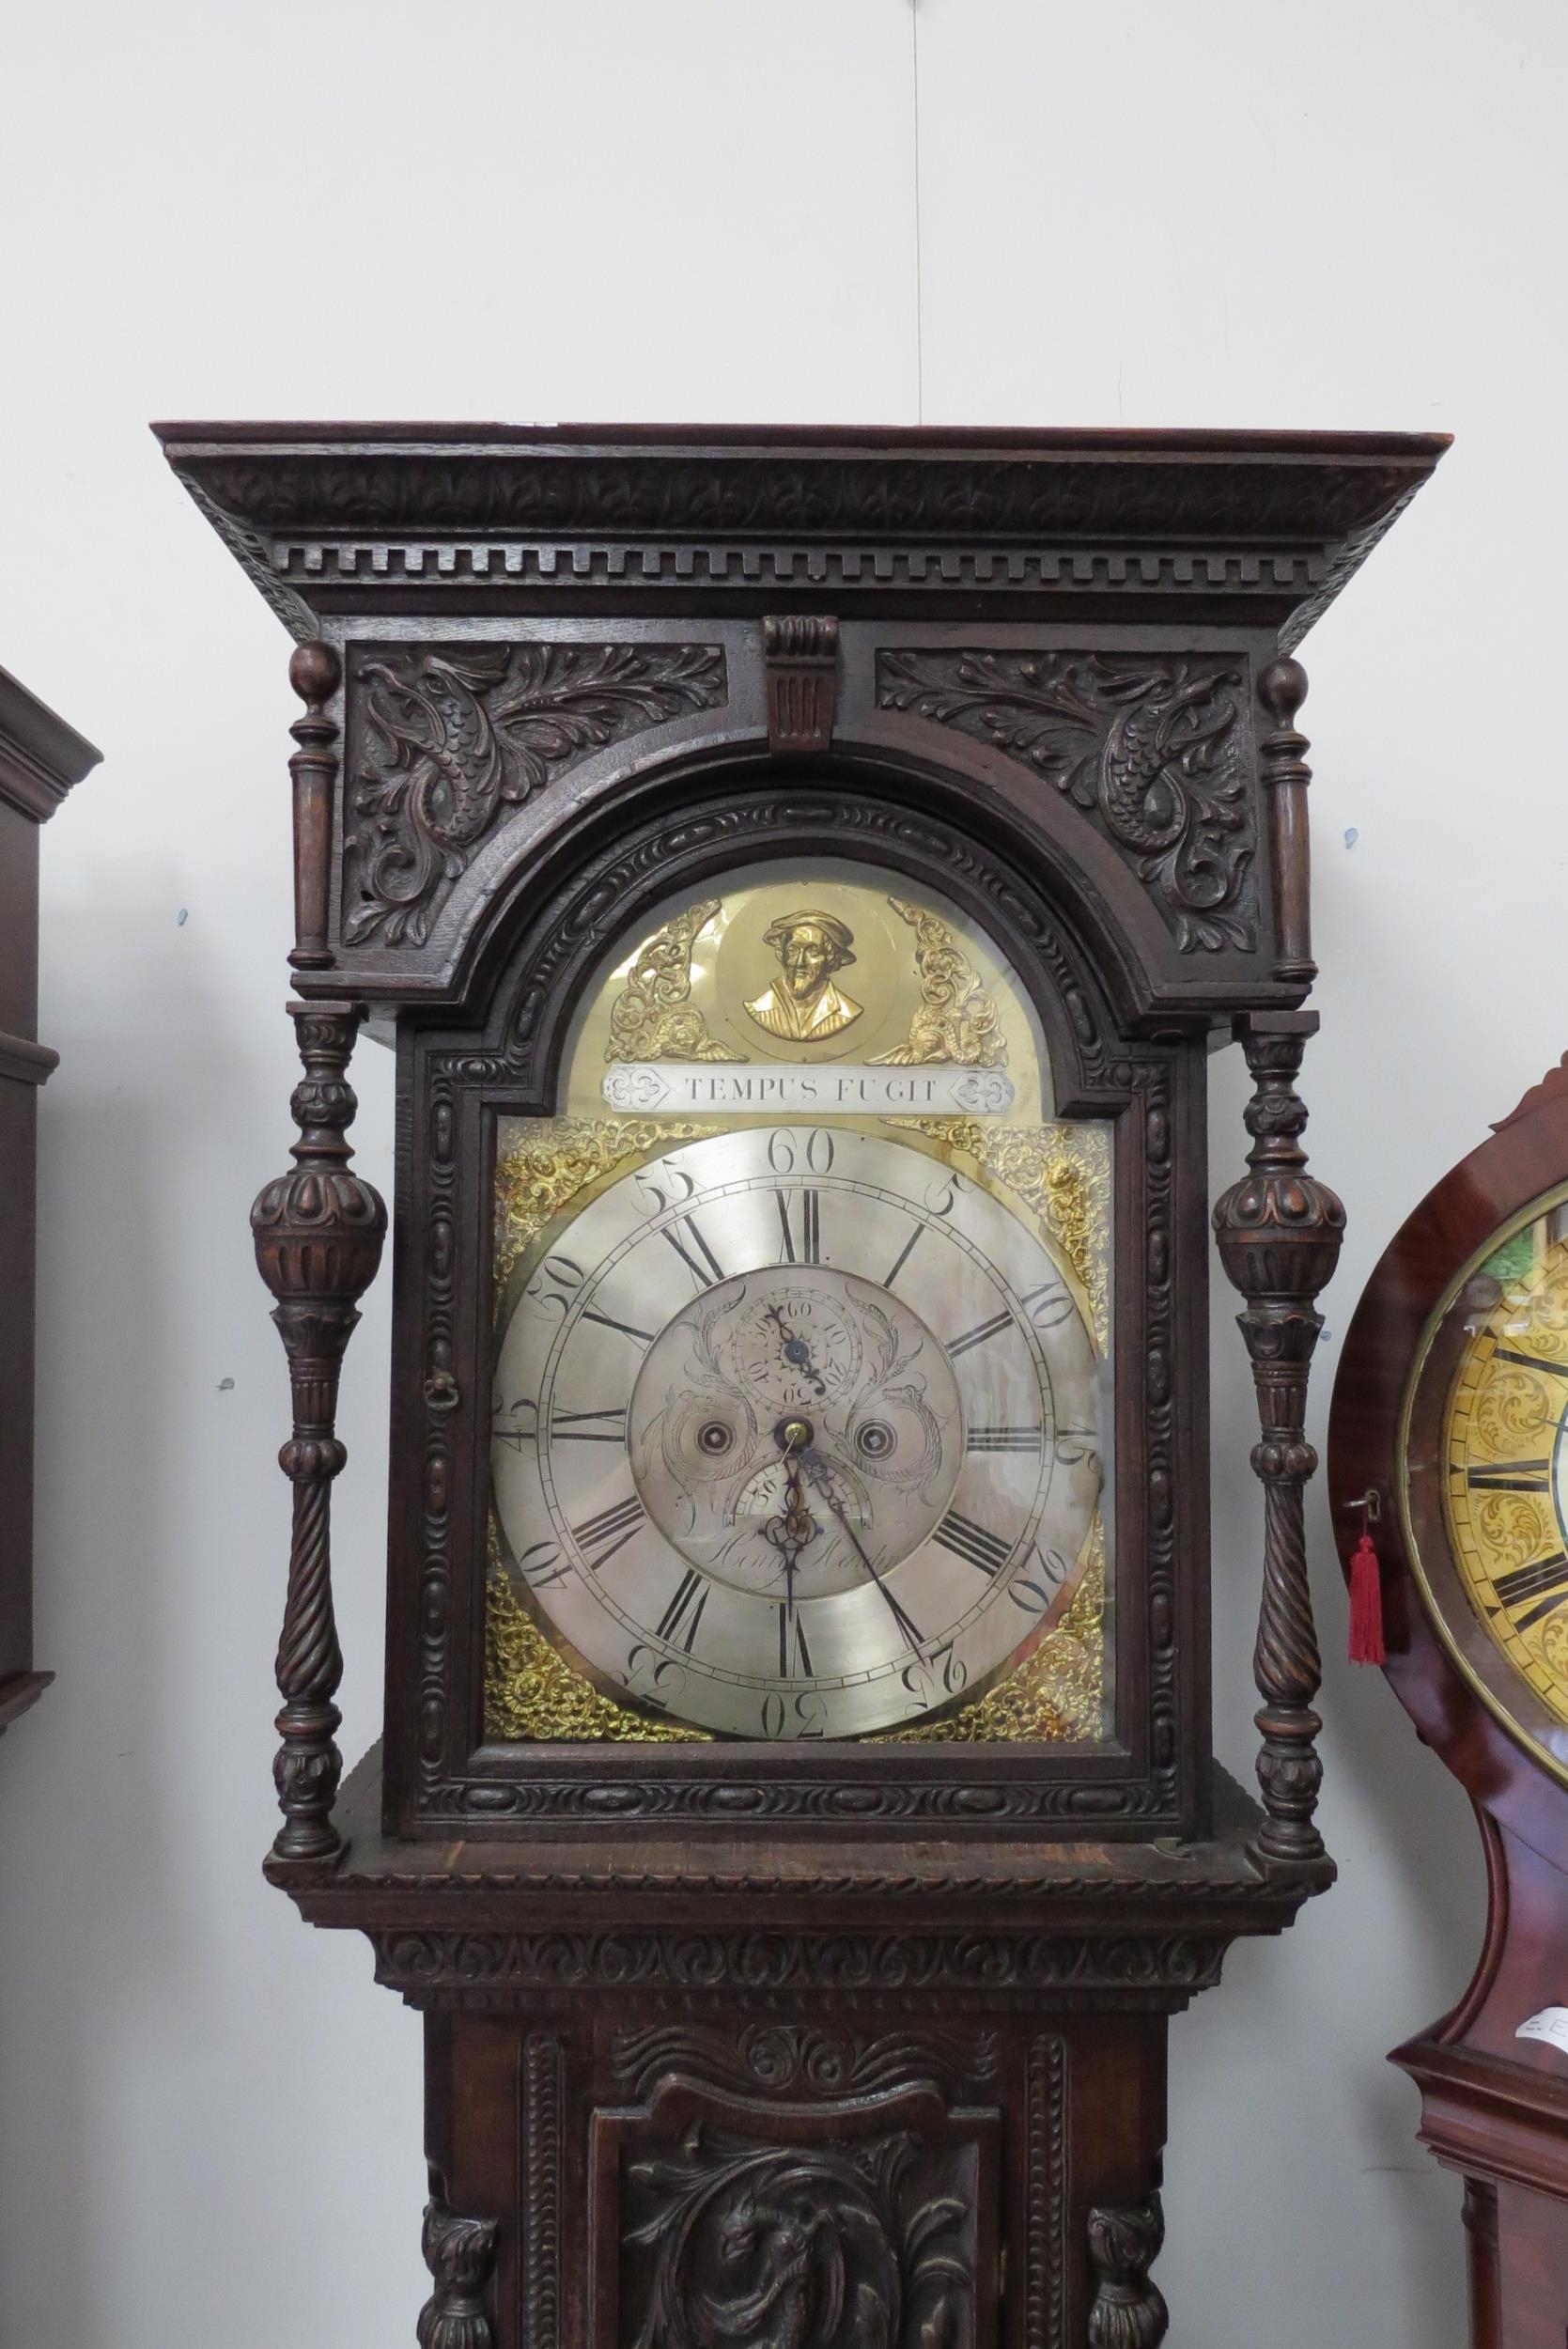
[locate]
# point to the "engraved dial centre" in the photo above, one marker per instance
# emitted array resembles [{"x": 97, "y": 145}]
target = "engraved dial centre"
[{"x": 790, "y": 1424}]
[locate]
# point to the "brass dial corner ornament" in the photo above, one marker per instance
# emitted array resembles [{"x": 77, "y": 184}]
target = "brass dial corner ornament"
[
  {"x": 957, "y": 1019},
  {"x": 654, "y": 1017}
]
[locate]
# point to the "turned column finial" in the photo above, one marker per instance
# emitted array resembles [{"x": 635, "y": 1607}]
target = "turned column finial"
[
  {"x": 315, "y": 672},
  {"x": 1282, "y": 764}
]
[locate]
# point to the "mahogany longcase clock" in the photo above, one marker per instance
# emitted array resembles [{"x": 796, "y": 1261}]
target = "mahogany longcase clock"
[
  {"x": 801, "y": 875},
  {"x": 1450, "y": 1430}
]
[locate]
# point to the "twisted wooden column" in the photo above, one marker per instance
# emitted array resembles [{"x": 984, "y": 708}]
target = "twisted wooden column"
[
  {"x": 319, "y": 1232},
  {"x": 1280, "y": 1231}
]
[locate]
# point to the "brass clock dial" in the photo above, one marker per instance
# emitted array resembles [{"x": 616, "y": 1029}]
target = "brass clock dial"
[
  {"x": 1505, "y": 1460},
  {"x": 797, "y": 1435}
]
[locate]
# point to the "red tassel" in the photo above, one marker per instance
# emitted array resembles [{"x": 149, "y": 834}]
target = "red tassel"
[{"x": 1366, "y": 1606}]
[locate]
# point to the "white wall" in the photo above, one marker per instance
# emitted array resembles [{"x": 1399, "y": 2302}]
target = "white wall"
[{"x": 1226, "y": 212}]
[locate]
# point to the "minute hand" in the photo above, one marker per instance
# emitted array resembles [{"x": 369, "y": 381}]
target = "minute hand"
[{"x": 817, "y": 1470}]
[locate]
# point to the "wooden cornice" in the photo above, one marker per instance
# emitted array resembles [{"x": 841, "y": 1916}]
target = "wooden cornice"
[
  {"x": 41, "y": 756},
  {"x": 25, "y": 1061},
  {"x": 1265, "y": 526},
  {"x": 1488, "y": 2117}
]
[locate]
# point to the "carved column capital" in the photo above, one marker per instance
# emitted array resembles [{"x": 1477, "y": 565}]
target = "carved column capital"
[{"x": 800, "y": 656}]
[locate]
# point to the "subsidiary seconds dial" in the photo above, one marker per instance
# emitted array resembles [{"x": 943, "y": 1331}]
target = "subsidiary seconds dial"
[{"x": 795, "y": 1435}]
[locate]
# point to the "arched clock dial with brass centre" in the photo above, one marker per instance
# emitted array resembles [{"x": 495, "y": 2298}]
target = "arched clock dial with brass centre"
[{"x": 797, "y": 1435}]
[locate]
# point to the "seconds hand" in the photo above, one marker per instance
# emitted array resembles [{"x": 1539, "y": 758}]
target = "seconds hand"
[
  {"x": 817, "y": 1470},
  {"x": 796, "y": 1351}
]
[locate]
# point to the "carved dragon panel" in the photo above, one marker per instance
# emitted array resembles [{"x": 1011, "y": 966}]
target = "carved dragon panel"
[
  {"x": 1152, "y": 748},
  {"x": 446, "y": 739}
]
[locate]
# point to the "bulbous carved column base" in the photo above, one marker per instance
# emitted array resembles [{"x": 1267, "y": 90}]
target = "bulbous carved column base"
[
  {"x": 461, "y": 2256},
  {"x": 1289, "y": 1775},
  {"x": 1128, "y": 2311},
  {"x": 305, "y": 1772}
]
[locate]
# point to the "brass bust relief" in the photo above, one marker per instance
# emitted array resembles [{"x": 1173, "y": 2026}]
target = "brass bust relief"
[{"x": 806, "y": 1006}]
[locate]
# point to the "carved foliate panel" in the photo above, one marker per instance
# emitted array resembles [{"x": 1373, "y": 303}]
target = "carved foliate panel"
[
  {"x": 823, "y": 2059},
  {"x": 502, "y": 1970},
  {"x": 1153, "y": 749},
  {"x": 446, "y": 740},
  {"x": 722, "y": 2223}
]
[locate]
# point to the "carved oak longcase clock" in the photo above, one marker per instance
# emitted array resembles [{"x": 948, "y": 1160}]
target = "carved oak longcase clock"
[{"x": 801, "y": 875}]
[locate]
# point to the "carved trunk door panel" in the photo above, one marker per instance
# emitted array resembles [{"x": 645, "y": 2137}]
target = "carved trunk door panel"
[{"x": 724, "y": 2222}]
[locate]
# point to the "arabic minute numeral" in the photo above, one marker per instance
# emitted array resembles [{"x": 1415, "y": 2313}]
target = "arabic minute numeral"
[
  {"x": 554, "y": 1286},
  {"x": 816, "y": 1153},
  {"x": 1036, "y": 1584},
  {"x": 1074, "y": 1445},
  {"x": 942, "y": 1198},
  {"x": 542, "y": 1564},
  {"x": 524, "y": 1428},
  {"x": 1048, "y": 1306},
  {"x": 804, "y": 1716},
  {"x": 672, "y": 1189},
  {"x": 653, "y": 1679},
  {"x": 930, "y": 1678}
]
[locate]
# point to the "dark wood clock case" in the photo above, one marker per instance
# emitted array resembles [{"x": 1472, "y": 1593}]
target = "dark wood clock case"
[
  {"x": 864, "y": 2043},
  {"x": 1494, "y": 2106},
  {"x": 40, "y": 759}
]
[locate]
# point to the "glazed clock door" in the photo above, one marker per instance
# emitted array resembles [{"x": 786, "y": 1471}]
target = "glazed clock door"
[{"x": 802, "y": 1423}]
